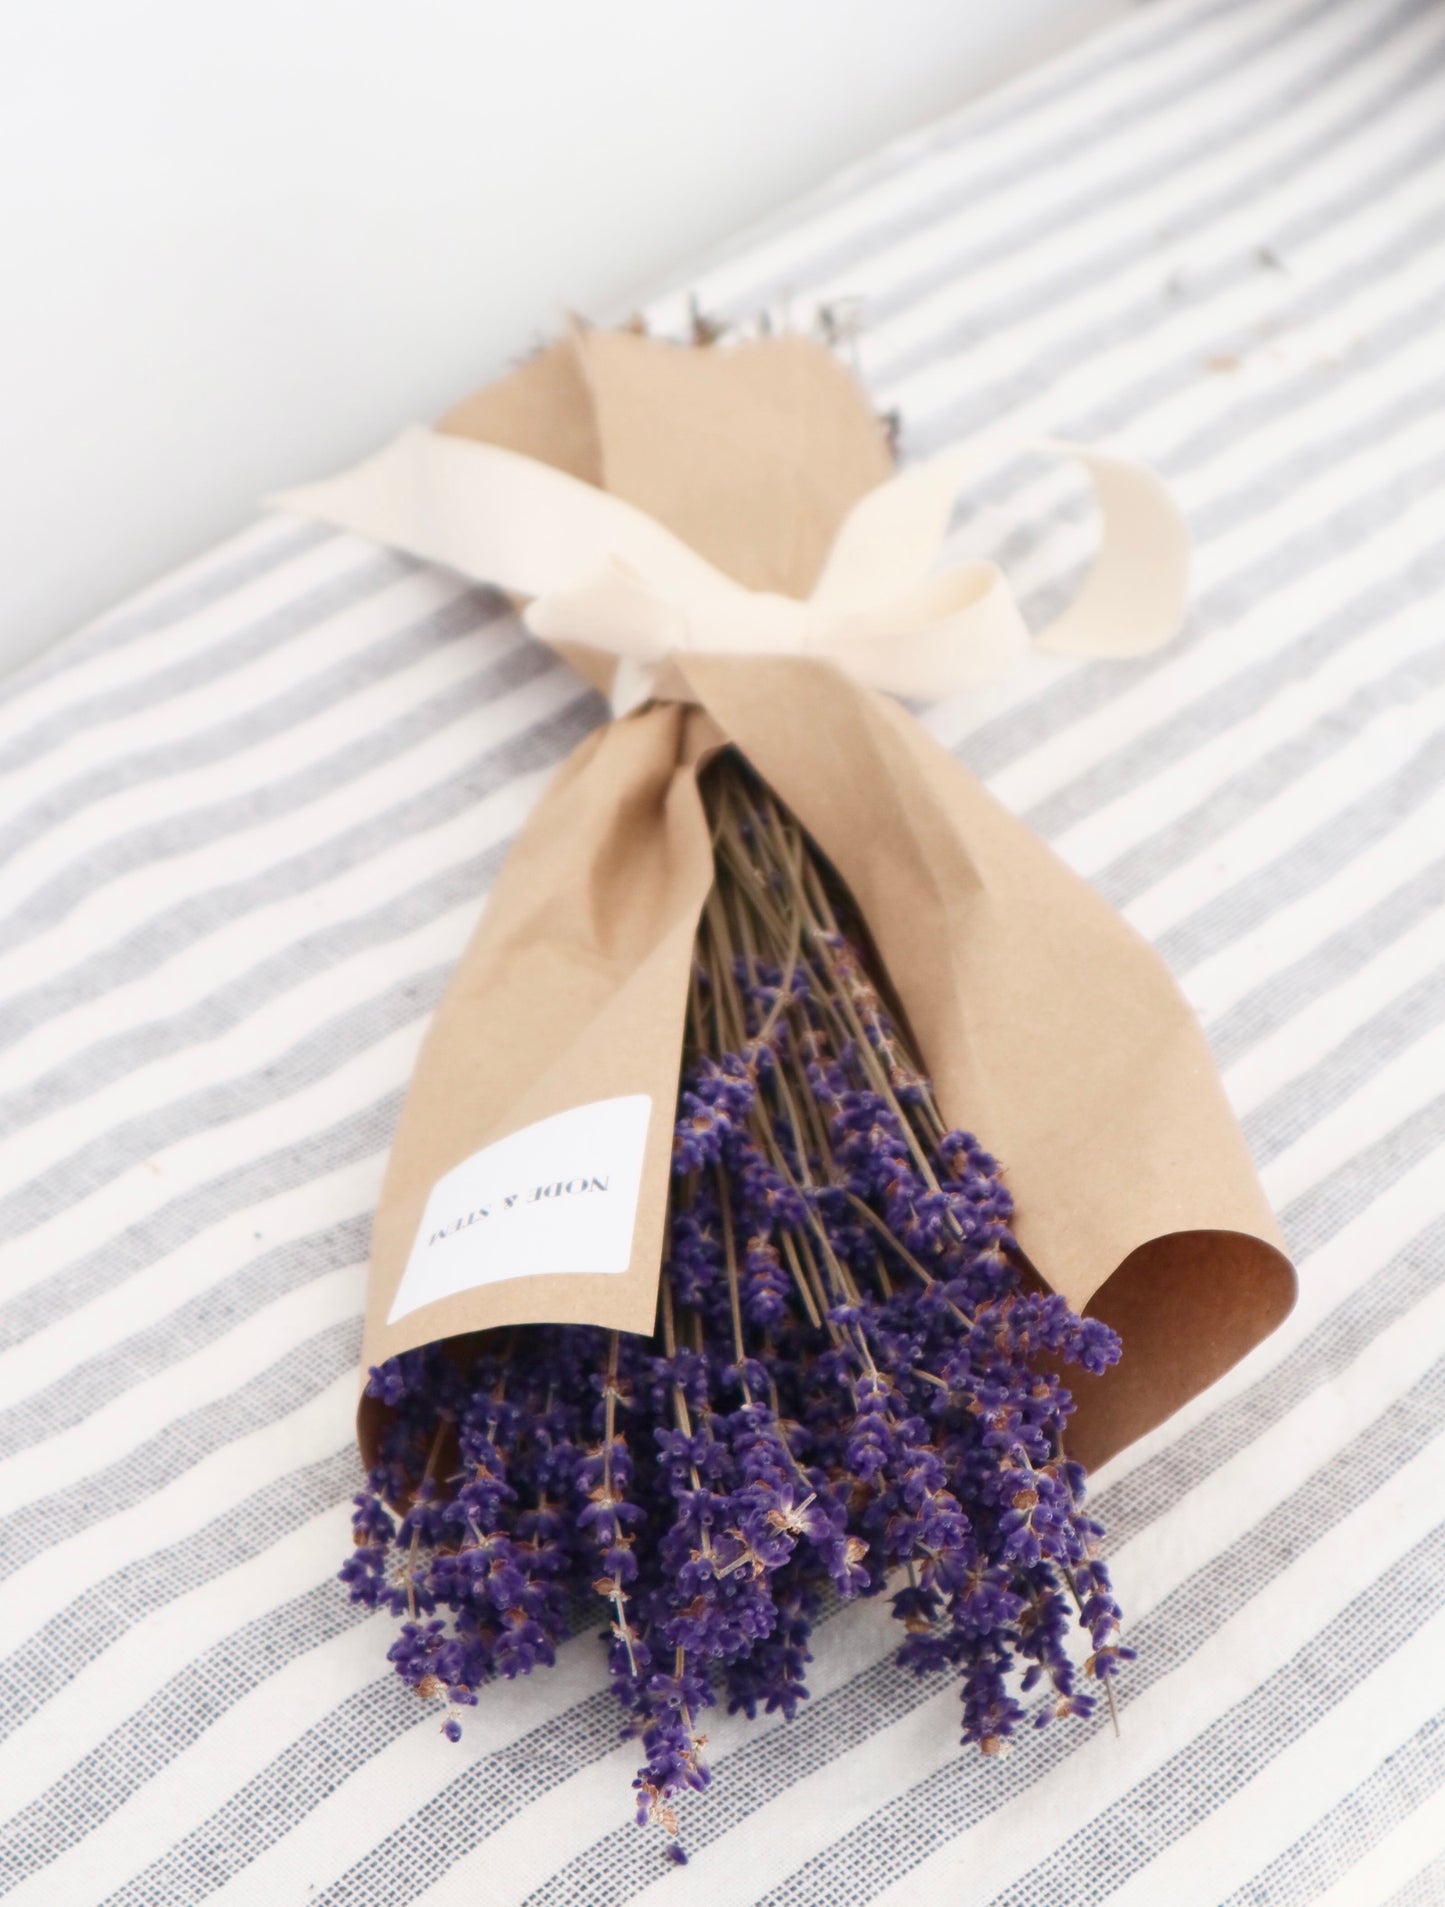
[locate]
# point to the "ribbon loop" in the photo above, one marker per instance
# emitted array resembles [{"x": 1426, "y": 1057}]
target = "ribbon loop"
[{"x": 602, "y": 573}]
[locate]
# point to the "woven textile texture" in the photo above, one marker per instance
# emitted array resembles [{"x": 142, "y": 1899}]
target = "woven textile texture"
[{"x": 250, "y": 818}]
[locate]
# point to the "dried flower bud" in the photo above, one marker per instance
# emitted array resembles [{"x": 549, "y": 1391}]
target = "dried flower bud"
[{"x": 849, "y": 1380}]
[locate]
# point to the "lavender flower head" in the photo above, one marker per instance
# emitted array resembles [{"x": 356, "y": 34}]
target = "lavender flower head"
[{"x": 854, "y": 1388}]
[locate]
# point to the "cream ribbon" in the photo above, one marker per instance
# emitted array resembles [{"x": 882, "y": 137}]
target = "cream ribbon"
[{"x": 601, "y": 572}]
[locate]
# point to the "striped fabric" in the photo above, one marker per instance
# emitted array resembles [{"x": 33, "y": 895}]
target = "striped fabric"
[{"x": 249, "y": 819}]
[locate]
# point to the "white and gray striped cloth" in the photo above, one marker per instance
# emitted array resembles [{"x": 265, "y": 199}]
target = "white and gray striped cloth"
[{"x": 250, "y": 818}]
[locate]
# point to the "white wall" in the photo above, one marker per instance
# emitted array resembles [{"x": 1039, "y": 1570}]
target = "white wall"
[{"x": 241, "y": 243}]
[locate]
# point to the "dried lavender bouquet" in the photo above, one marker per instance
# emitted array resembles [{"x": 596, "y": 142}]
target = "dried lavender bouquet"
[{"x": 853, "y": 1387}]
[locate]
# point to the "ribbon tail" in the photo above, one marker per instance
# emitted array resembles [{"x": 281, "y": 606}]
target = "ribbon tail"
[
  {"x": 1134, "y": 597},
  {"x": 1132, "y": 601},
  {"x": 501, "y": 518}
]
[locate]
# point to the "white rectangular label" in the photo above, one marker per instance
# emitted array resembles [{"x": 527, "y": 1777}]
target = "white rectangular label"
[{"x": 558, "y": 1196}]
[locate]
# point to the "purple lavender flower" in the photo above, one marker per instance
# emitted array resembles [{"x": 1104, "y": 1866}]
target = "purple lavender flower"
[{"x": 855, "y": 1389}]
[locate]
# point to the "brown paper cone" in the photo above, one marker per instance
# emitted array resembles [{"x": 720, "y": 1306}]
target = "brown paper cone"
[{"x": 1049, "y": 1027}]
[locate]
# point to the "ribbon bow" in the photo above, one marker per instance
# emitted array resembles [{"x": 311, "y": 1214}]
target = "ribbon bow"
[{"x": 603, "y": 573}]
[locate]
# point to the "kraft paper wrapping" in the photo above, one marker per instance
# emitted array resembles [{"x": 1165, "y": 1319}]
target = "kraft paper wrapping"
[{"x": 1050, "y": 1028}]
